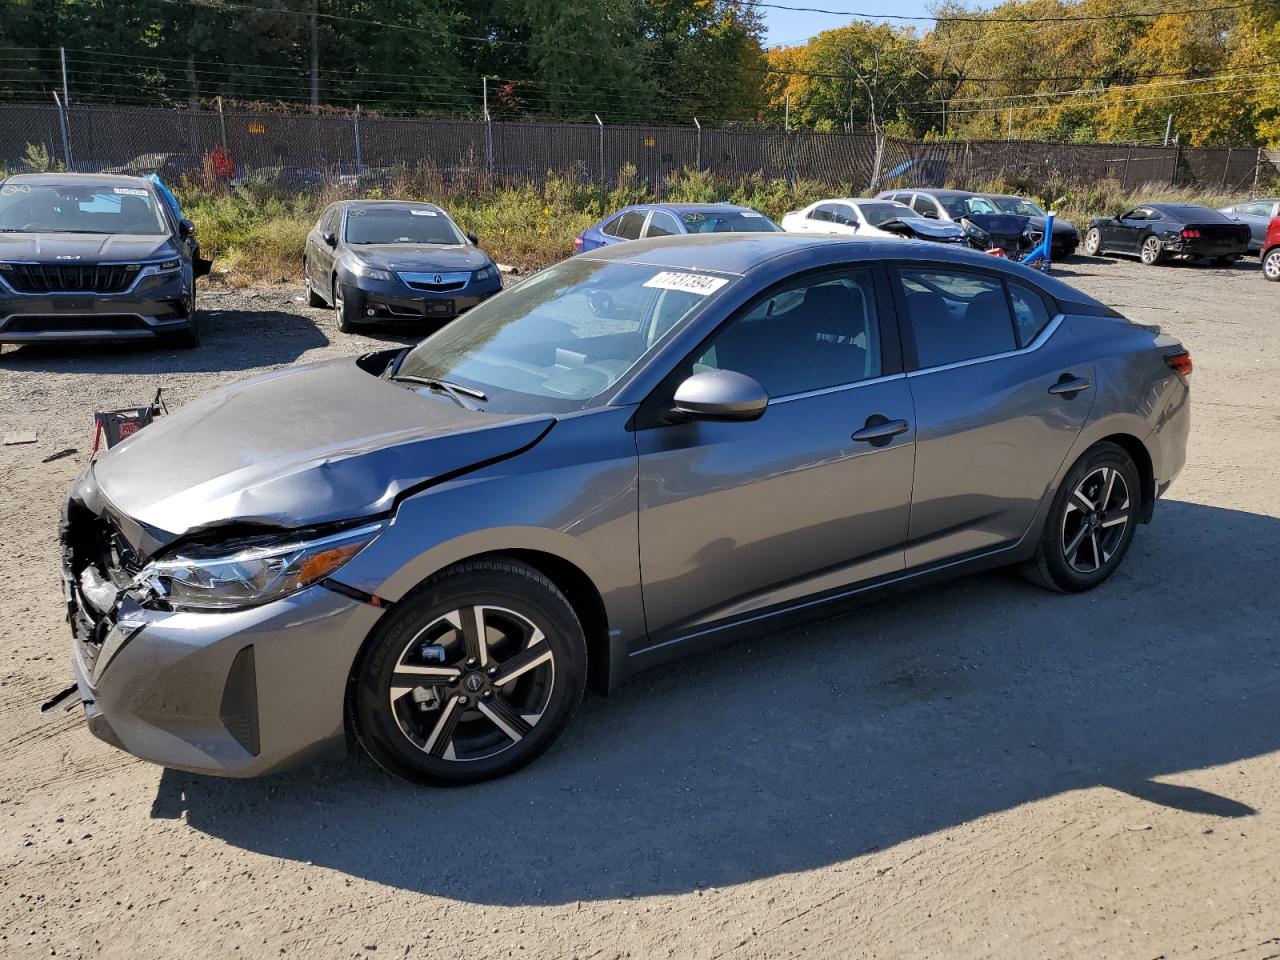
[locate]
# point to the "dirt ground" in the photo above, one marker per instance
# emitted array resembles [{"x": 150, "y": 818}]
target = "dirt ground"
[{"x": 979, "y": 769}]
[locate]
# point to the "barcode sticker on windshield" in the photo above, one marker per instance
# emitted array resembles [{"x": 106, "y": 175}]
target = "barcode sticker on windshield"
[
  {"x": 130, "y": 191},
  {"x": 688, "y": 282},
  {"x": 423, "y": 213},
  {"x": 751, "y": 213}
]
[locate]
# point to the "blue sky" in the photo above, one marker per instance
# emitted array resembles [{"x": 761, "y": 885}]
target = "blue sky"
[{"x": 790, "y": 27}]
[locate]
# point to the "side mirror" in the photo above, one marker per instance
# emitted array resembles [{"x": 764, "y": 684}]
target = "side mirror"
[
  {"x": 473, "y": 239},
  {"x": 929, "y": 214},
  {"x": 186, "y": 228},
  {"x": 720, "y": 395},
  {"x": 329, "y": 238}
]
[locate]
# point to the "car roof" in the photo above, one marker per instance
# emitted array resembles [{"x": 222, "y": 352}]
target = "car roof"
[
  {"x": 931, "y": 191},
  {"x": 1182, "y": 209},
  {"x": 406, "y": 204},
  {"x": 68, "y": 179}
]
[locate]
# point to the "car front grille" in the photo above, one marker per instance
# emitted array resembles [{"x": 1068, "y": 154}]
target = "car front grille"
[
  {"x": 436, "y": 282},
  {"x": 70, "y": 278}
]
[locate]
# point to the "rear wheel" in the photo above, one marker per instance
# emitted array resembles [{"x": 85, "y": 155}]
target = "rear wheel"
[
  {"x": 1093, "y": 242},
  {"x": 313, "y": 297},
  {"x": 472, "y": 677},
  {"x": 1152, "y": 251},
  {"x": 1271, "y": 264},
  {"x": 1091, "y": 522}
]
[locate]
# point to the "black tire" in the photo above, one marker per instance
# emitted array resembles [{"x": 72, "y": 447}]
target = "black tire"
[
  {"x": 1152, "y": 251},
  {"x": 190, "y": 338},
  {"x": 1093, "y": 243},
  {"x": 345, "y": 307},
  {"x": 1271, "y": 264},
  {"x": 1057, "y": 565},
  {"x": 452, "y": 733},
  {"x": 313, "y": 298}
]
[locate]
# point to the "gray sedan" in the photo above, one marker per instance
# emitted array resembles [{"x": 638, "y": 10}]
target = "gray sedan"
[
  {"x": 1258, "y": 215},
  {"x": 640, "y": 452}
]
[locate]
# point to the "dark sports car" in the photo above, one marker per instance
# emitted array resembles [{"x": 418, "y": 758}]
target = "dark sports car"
[
  {"x": 1157, "y": 231},
  {"x": 376, "y": 261}
]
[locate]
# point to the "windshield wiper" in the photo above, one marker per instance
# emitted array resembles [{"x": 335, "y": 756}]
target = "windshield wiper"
[{"x": 455, "y": 391}]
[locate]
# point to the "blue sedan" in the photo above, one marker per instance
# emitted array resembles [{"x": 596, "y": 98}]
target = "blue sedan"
[{"x": 672, "y": 219}]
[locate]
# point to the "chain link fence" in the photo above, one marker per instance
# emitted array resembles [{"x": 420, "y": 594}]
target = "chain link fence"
[{"x": 300, "y": 148}]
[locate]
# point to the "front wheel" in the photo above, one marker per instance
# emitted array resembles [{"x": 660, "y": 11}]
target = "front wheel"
[
  {"x": 344, "y": 307},
  {"x": 471, "y": 677},
  {"x": 1152, "y": 251},
  {"x": 1271, "y": 264},
  {"x": 1091, "y": 522},
  {"x": 1093, "y": 242}
]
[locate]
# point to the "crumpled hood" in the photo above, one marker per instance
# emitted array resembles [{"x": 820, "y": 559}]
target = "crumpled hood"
[
  {"x": 424, "y": 258},
  {"x": 87, "y": 247},
  {"x": 999, "y": 224},
  {"x": 1060, "y": 226},
  {"x": 309, "y": 445},
  {"x": 922, "y": 227}
]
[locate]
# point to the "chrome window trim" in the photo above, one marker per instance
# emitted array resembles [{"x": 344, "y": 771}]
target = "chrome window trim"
[
  {"x": 1034, "y": 345},
  {"x": 838, "y": 388}
]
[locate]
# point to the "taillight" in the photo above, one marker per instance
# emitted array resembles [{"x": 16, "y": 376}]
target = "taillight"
[
  {"x": 577, "y": 244},
  {"x": 1190, "y": 233},
  {"x": 1180, "y": 363}
]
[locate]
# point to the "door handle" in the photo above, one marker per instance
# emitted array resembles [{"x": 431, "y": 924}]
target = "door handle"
[
  {"x": 879, "y": 430},
  {"x": 1069, "y": 386}
]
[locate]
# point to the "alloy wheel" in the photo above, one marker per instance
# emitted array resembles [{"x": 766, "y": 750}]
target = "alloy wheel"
[
  {"x": 1151, "y": 250},
  {"x": 1271, "y": 265},
  {"x": 1094, "y": 521},
  {"x": 1093, "y": 242},
  {"x": 472, "y": 683}
]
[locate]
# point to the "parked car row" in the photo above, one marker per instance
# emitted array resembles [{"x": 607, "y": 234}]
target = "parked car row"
[{"x": 103, "y": 256}]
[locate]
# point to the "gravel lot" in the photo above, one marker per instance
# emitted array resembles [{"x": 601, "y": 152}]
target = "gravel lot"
[{"x": 980, "y": 769}]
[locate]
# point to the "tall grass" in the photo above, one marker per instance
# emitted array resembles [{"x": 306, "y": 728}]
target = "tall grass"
[{"x": 256, "y": 234}]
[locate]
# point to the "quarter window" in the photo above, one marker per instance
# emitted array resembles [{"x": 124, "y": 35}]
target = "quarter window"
[
  {"x": 1029, "y": 312},
  {"x": 956, "y": 316},
  {"x": 611, "y": 228},
  {"x": 807, "y": 335}
]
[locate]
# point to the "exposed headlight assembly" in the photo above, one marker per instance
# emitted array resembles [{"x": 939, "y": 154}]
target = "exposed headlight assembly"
[
  {"x": 199, "y": 580},
  {"x": 362, "y": 269},
  {"x": 485, "y": 273}
]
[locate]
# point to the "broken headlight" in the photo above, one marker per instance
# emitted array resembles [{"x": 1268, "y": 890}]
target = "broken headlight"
[{"x": 253, "y": 575}]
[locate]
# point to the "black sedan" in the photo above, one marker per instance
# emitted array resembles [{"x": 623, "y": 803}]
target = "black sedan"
[
  {"x": 1066, "y": 237},
  {"x": 1158, "y": 231},
  {"x": 376, "y": 261}
]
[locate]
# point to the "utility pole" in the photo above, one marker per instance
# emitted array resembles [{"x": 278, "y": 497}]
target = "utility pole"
[
  {"x": 1009, "y": 131},
  {"x": 488, "y": 130},
  {"x": 315, "y": 55},
  {"x": 698, "y": 162},
  {"x": 66, "y": 140},
  {"x": 1168, "y": 129},
  {"x": 601, "y": 123},
  {"x": 66, "y": 96},
  {"x": 786, "y": 115}
]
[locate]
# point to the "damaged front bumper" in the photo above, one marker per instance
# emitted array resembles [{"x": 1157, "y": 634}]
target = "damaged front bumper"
[{"x": 233, "y": 693}]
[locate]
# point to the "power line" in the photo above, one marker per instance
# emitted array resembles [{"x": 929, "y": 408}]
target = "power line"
[{"x": 981, "y": 18}]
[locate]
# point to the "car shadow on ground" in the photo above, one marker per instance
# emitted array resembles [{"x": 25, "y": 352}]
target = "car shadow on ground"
[
  {"x": 825, "y": 742},
  {"x": 228, "y": 343}
]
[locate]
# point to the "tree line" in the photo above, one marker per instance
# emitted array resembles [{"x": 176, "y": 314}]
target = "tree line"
[{"x": 1206, "y": 72}]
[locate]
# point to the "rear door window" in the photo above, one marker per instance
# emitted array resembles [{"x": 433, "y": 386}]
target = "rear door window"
[
  {"x": 630, "y": 224},
  {"x": 661, "y": 224},
  {"x": 956, "y": 316}
]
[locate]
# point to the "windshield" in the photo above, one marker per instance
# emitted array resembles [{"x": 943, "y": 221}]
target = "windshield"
[
  {"x": 728, "y": 221},
  {"x": 75, "y": 208},
  {"x": 401, "y": 225},
  {"x": 563, "y": 336},
  {"x": 878, "y": 213},
  {"x": 963, "y": 206},
  {"x": 1024, "y": 208}
]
